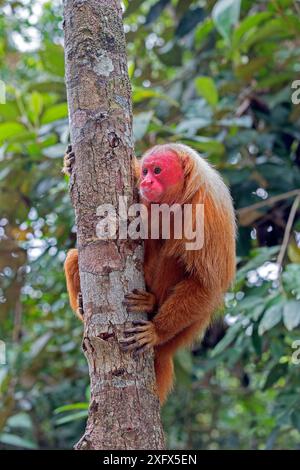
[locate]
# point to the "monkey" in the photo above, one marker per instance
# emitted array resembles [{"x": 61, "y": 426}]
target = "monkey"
[{"x": 183, "y": 287}]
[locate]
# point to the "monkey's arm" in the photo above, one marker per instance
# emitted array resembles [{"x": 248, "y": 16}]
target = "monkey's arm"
[
  {"x": 73, "y": 282},
  {"x": 190, "y": 303}
]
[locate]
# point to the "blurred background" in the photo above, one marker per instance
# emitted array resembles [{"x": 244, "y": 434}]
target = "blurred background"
[{"x": 219, "y": 76}]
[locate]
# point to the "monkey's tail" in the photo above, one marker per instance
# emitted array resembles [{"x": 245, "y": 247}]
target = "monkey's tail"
[{"x": 164, "y": 371}]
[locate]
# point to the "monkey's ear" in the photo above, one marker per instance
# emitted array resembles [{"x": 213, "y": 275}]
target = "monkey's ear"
[{"x": 186, "y": 163}]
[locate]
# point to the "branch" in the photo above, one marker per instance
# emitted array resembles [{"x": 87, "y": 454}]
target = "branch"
[
  {"x": 268, "y": 202},
  {"x": 287, "y": 232}
]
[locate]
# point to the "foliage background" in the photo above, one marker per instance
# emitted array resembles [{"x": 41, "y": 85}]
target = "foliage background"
[{"x": 215, "y": 75}]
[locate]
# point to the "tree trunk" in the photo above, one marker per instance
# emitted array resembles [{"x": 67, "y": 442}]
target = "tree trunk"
[{"x": 124, "y": 409}]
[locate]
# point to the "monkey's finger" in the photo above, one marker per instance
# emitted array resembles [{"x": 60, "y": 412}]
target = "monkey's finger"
[
  {"x": 134, "y": 338},
  {"x": 69, "y": 164},
  {"x": 133, "y": 296},
  {"x": 141, "y": 322},
  {"x": 125, "y": 341},
  {"x": 143, "y": 349},
  {"x": 70, "y": 157},
  {"x": 130, "y": 301},
  {"x": 80, "y": 304},
  {"x": 139, "y": 334},
  {"x": 138, "y": 329},
  {"x": 141, "y": 293},
  {"x": 69, "y": 148},
  {"x": 135, "y": 345},
  {"x": 136, "y": 308}
]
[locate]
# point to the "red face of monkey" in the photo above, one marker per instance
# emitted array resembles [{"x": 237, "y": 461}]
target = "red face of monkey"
[{"x": 160, "y": 172}]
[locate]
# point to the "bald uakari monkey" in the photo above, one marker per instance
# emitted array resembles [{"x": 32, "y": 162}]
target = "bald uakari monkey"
[{"x": 183, "y": 287}]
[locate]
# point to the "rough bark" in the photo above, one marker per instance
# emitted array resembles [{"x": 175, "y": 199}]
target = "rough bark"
[{"x": 124, "y": 409}]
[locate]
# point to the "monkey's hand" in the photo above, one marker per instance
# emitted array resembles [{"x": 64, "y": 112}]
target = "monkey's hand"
[
  {"x": 142, "y": 337},
  {"x": 80, "y": 311},
  {"x": 69, "y": 159},
  {"x": 140, "y": 301}
]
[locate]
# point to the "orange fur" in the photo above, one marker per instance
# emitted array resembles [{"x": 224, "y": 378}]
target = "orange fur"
[
  {"x": 188, "y": 285},
  {"x": 73, "y": 279}
]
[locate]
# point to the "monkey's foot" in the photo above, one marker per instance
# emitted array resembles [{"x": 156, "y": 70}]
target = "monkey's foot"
[
  {"x": 69, "y": 159},
  {"x": 143, "y": 337},
  {"x": 140, "y": 301},
  {"x": 80, "y": 311}
]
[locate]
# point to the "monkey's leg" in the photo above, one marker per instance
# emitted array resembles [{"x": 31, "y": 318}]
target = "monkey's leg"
[
  {"x": 69, "y": 159},
  {"x": 73, "y": 282},
  {"x": 140, "y": 301},
  {"x": 164, "y": 359}
]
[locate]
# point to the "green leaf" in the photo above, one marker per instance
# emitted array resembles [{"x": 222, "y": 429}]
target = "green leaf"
[
  {"x": 291, "y": 314},
  {"x": 205, "y": 87},
  {"x": 56, "y": 85},
  {"x": 272, "y": 28},
  {"x": 183, "y": 367},
  {"x": 271, "y": 317},
  {"x": 171, "y": 54},
  {"x": 248, "y": 25},
  {"x": 225, "y": 14},
  {"x": 256, "y": 341},
  {"x": 54, "y": 151},
  {"x": 141, "y": 123},
  {"x": 291, "y": 278},
  {"x": 35, "y": 104},
  {"x": 9, "y": 111},
  {"x": 58, "y": 111},
  {"x": 39, "y": 344},
  {"x": 189, "y": 21},
  {"x": 4, "y": 173},
  {"x": 295, "y": 419},
  {"x": 20, "y": 420},
  {"x": 229, "y": 337},
  {"x": 141, "y": 94},
  {"x": 9, "y": 130},
  {"x": 204, "y": 144},
  {"x": 17, "y": 441},
  {"x": 72, "y": 417},
  {"x": 155, "y": 11},
  {"x": 133, "y": 5},
  {"x": 203, "y": 31},
  {"x": 71, "y": 407},
  {"x": 184, "y": 358},
  {"x": 53, "y": 59},
  {"x": 191, "y": 126},
  {"x": 278, "y": 371},
  {"x": 247, "y": 71}
]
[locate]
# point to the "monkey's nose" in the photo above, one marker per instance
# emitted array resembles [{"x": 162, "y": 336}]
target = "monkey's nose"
[{"x": 147, "y": 182}]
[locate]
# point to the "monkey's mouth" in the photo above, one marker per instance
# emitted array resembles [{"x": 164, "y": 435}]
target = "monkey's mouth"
[{"x": 150, "y": 195}]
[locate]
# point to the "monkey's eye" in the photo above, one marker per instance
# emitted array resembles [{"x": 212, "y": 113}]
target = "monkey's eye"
[
  {"x": 157, "y": 170},
  {"x": 145, "y": 171}
]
